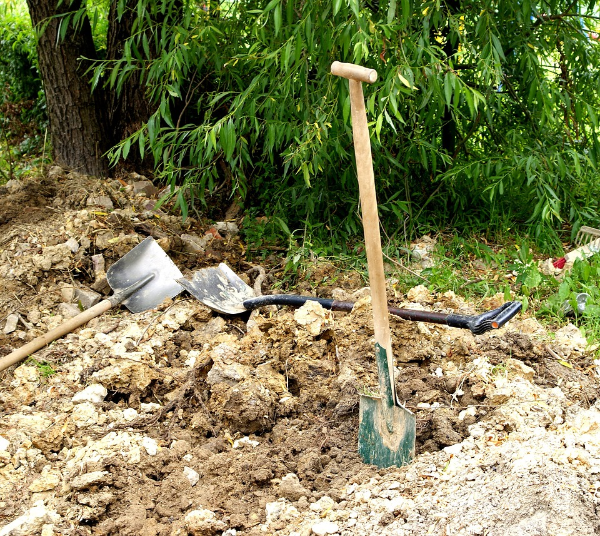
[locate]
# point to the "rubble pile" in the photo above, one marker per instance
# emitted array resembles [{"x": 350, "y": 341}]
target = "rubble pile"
[{"x": 179, "y": 421}]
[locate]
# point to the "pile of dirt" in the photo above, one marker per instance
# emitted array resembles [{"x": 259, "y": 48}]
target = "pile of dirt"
[{"x": 180, "y": 421}]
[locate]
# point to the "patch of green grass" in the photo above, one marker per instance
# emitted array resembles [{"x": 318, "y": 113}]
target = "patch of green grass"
[{"x": 44, "y": 368}]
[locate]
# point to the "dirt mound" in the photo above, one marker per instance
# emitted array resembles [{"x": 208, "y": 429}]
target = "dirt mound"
[{"x": 179, "y": 421}]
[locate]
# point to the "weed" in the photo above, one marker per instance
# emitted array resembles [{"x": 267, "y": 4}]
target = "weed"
[{"x": 44, "y": 368}]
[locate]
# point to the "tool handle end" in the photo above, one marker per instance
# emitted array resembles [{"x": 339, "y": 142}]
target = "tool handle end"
[{"x": 353, "y": 72}]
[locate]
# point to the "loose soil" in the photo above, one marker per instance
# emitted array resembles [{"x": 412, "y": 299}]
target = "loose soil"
[{"x": 203, "y": 412}]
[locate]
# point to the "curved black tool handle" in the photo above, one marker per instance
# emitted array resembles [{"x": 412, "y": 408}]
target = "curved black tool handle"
[
  {"x": 487, "y": 321},
  {"x": 479, "y": 324}
]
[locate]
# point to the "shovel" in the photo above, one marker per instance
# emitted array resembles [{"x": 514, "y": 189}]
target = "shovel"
[
  {"x": 386, "y": 432},
  {"x": 223, "y": 291},
  {"x": 141, "y": 280}
]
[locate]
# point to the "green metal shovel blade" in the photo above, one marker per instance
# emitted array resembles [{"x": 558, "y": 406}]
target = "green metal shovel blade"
[{"x": 386, "y": 432}]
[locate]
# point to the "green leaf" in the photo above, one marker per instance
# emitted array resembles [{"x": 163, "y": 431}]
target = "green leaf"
[
  {"x": 126, "y": 147},
  {"x": 391, "y": 11},
  {"x": 336, "y": 6},
  {"x": 448, "y": 87},
  {"x": 378, "y": 126},
  {"x": 227, "y": 137},
  {"x": 271, "y": 5},
  {"x": 355, "y": 8},
  {"x": 498, "y": 46},
  {"x": 277, "y": 18}
]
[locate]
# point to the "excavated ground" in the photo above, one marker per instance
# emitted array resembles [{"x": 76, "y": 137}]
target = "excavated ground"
[{"x": 182, "y": 421}]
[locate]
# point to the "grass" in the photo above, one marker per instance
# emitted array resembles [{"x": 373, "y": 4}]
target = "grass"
[
  {"x": 44, "y": 368},
  {"x": 474, "y": 268}
]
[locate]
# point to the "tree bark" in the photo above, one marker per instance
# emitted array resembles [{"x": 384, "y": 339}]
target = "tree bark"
[
  {"x": 129, "y": 109},
  {"x": 78, "y": 126}
]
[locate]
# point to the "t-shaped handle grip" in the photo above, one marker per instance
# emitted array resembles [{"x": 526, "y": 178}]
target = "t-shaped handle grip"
[{"x": 353, "y": 72}]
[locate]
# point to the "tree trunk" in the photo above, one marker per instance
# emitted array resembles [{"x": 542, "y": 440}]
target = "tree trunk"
[
  {"x": 129, "y": 109},
  {"x": 77, "y": 122}
]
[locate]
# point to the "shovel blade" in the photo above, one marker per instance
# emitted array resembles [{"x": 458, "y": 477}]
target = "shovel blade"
[
  {"x": 386, "y": 431},
  {"x": 219, "y": 288},
  {"x": 376, "y": 444},
  {"x": 147, "y": 258}
]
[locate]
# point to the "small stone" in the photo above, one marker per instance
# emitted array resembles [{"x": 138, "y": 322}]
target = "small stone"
[
  {"x": 453, "y": 449},
  {"x": 88, "y": 298},
  {"x": 101, "y": 201},
  {"x": 68, "y": 310},
  {"x": 324, "y": 504},
  {"x": 94, "y": 393},
  {"x": 150, "y": 446},
  {"x": 73, "y": 245},
  {"x": 11, "y": 323},
  {"x": 193, "y": 243},
  {"x": 228, "y": 228},
  {"x": 325, "y": 527},
  {"x": 4, "y": 444},
  {"x": 130, "y": 414},
  {"x": 314, "y": 318},
  {"x": 245, "y": 441},
  {"x": 47, "y": 481},
  {"x": 98, "y": 264},
  {"x": 84, "y": 415},
  {"x": 144, "y": 187},
  {"x": 290, "y": 488},
  {"x": 87, "y": 480},
  {"x": 203, "y": 523},
  {"x": 420, "y": 294},
  {"x": 31, "y": 522},
  {"x": 67, "y": 293},
  {"x": 191, "y": 475}
]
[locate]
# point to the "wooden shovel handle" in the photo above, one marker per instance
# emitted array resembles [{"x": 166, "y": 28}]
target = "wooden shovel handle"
[
  {"x": 57, "y": 332},
  {"x": 353, "y": 72},
  {"x": 368, "y": 199}
]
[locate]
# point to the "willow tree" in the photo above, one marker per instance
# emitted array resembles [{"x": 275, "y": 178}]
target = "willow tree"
[{"x": 481, "y": 108}]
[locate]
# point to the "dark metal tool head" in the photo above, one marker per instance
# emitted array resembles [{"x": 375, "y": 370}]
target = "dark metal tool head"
[{"x": 144, "y": 260}]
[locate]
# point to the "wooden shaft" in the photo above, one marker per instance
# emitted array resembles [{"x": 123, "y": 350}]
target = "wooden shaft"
[
  {"x": 366, "y": 182},
  {"x": 353, "y": 72},
  {"x": 57, "y": 332}
]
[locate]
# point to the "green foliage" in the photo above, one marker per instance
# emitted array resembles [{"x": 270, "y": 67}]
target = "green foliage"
[
  {"x": 583, "y": 278},
  {"x": 22, "y": 104},
  {"x": 44, "y": 368},
  {"x": 480, "y": 111},
  {"x": 18, "y": 58}
]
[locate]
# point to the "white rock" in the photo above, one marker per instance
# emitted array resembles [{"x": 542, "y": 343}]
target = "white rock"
[
  {"x": 84, "y": 415},
  {"x": 191, "y": 475},
  {"x": 325, "y": 527},
  {"x": 11, "y": 323},
  {"x": 149, "y": 407},
  {"x": 245, "y": 441},
  {"x": 323, "y": 504},
  {"x": 362, "y": 496},
  {"x": 94, "y": 393},
  {"x": 203, "y": 523},
  {"x": 90, "y": 479},
  {"x": 314, "y": 318},
  {"x": 130, "y": 414},
  {"x": 31, "y": 522},
  {"x": 4, "y": 443},
  {"x": 47, "y": 481},
  {"x": 280, "y": 510},
  {"x": 150, "y": 446},
  {"x": 454, "y": 449},
  {"x": 72, "y": 244}
]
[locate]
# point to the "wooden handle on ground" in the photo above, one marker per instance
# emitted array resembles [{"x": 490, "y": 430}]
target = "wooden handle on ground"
[
  {"x": 368, "y": 199},
  {"x": 52, "y": 335},
  {"x": 353, "y": 72}
]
